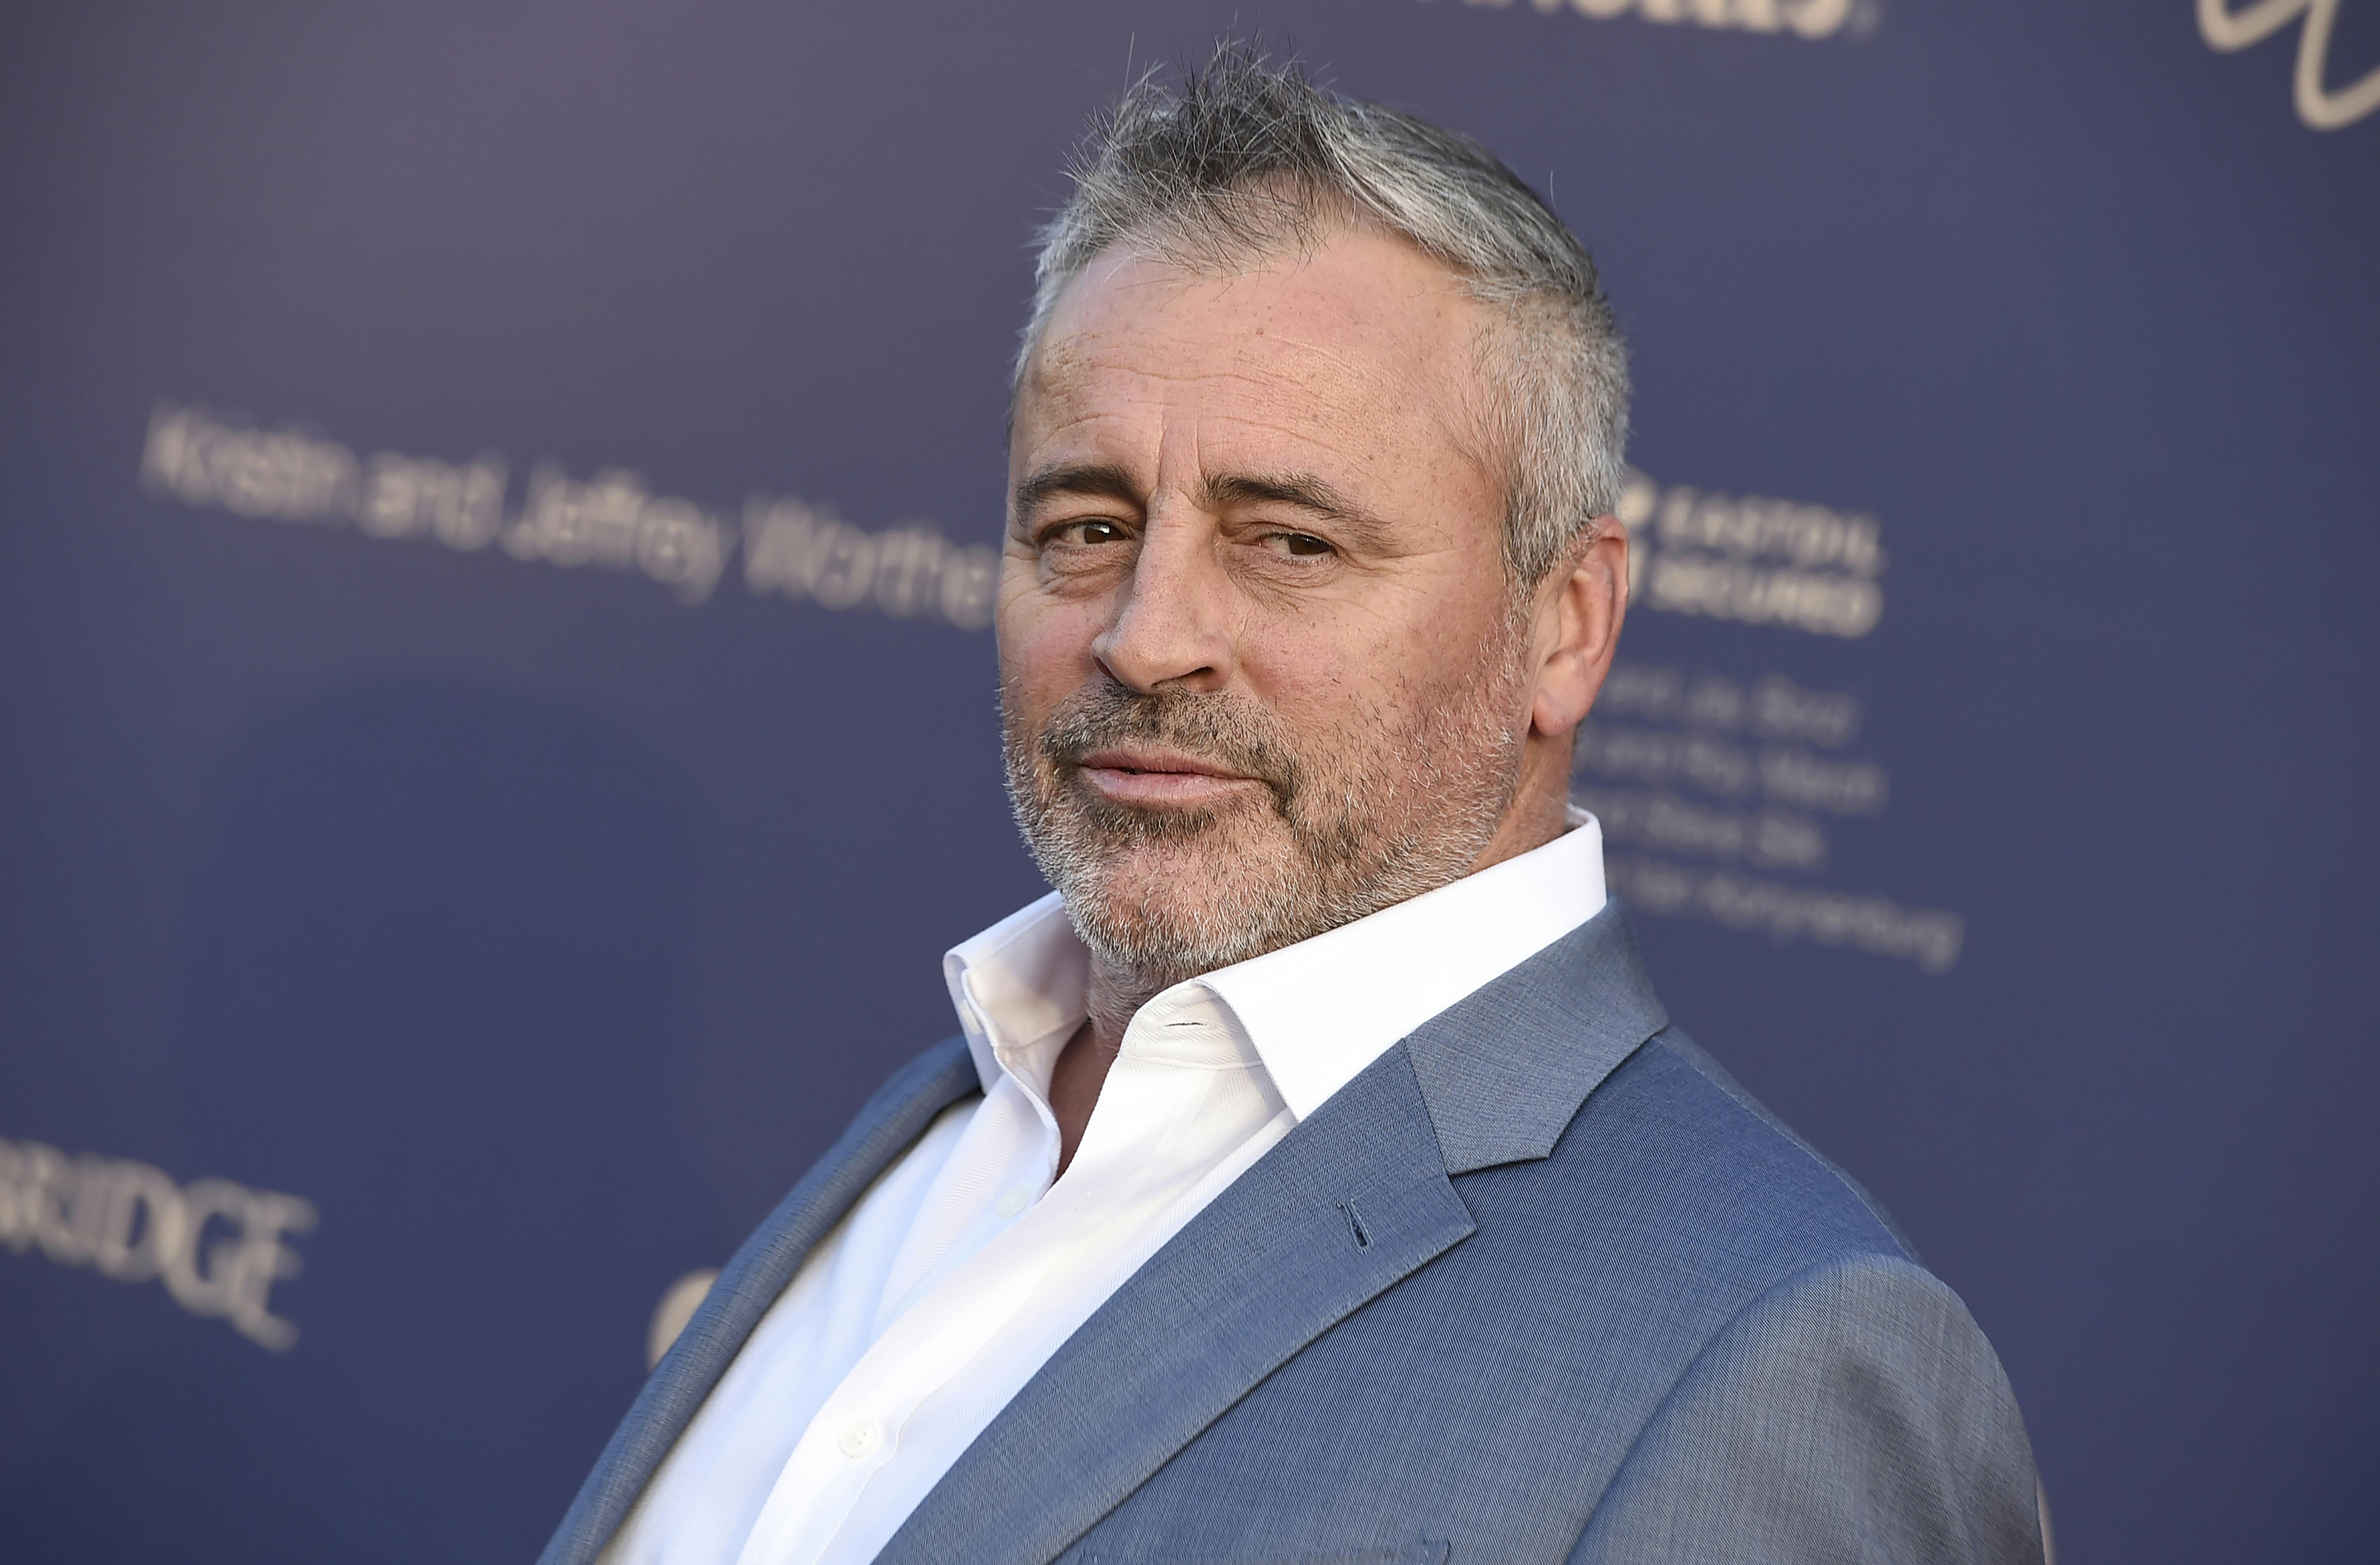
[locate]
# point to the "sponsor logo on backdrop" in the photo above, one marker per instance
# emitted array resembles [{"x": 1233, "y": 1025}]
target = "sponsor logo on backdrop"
[
  {"x": 218, "y": 1247},
  {"x": 2226, "y": 29},
  {"x": 610, "y": 522},
  {"x": 1792, "y": 18},
  {"x": 1719, "y": 795},
  {"x": 1784, "y": 563}
]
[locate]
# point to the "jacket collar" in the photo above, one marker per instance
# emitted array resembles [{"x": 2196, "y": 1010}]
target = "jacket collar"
[
  {"x": 1505, "y": 1069},
  {"x": 1357, "y": 1197}
]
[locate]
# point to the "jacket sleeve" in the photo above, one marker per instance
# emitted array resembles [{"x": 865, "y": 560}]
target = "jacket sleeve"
[{"x": 1853, "y": 1412}]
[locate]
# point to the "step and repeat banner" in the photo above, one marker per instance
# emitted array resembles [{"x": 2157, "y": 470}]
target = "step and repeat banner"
[{"x": 497, "y": 717}]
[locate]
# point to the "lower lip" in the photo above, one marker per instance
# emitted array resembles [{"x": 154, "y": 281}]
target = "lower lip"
[{"x": 1175, "y": 788}]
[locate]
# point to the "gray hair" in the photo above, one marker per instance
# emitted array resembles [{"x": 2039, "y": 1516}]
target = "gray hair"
[{"x": 1245, "y": 159}]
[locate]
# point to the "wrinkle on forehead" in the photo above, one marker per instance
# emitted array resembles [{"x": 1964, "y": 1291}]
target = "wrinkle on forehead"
[
  {"x": 1337, "y": 351},
  {"x": 1159, "y": 288}
]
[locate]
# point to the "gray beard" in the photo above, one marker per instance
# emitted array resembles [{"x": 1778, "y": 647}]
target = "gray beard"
[{"x": 1369, "y": 825}]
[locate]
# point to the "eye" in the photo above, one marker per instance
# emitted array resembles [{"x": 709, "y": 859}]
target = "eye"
[
  {"x": 1302, "y": 544},
  {"x": 1097, "y": 531}
]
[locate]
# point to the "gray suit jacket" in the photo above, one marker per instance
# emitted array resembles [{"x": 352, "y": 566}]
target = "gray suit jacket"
[{"x": 1541, "y": 1284}]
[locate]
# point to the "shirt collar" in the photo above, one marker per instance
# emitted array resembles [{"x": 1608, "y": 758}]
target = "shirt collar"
[
  {"x": 1316, "y": 1012},
  {"x": 1021, "y": 987},
  {"x": 1320, "y": 1011}
]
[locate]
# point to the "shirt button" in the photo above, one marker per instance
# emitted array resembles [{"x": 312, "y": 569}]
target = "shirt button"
[
  {"x": 859, "y": 1437},
  {"x": 1013, "y": 1203}
]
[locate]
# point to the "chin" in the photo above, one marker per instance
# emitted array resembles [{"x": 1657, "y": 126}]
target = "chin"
[{"x": 1181, "y": 910}]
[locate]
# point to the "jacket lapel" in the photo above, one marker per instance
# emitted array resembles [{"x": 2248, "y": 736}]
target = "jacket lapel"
[
  {"x": 1354, "y": 1198},
  {"x": 886, "y": 1126}
]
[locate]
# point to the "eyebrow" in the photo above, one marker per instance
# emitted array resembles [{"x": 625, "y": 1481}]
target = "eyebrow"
[
  {"x": 1104, "y": 480},
  {"x": 1303, "y": 491},
  {"x": 1307, "y": 491}
]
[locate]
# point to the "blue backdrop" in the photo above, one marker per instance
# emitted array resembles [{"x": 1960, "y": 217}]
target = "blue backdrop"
[{"x": 498, "y": 729}]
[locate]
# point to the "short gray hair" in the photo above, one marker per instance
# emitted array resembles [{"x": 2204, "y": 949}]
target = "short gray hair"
[{"x": 1244, "y": 159}]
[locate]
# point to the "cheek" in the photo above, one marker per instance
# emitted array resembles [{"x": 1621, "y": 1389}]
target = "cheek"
[
  {"x": 1045, "y": 644},
  {"x": 1364, "y": 674},
  {"x": 1323, "y": 690}
]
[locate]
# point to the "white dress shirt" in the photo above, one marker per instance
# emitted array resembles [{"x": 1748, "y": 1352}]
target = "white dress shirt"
[{"x": 965, "y": 1268}]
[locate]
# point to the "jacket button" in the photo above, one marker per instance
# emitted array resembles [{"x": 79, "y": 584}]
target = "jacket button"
[{"x": 1013, "y": 1203}]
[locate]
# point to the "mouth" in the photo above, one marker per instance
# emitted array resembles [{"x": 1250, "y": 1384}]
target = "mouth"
[{"x": 1158, "y": 778}]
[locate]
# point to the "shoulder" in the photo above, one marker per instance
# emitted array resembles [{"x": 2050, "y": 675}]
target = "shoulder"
[
  {"x": 1674, "y": 1138},
  {"x": 1669, "y": 1205},
  {"x": 1792, "y": 1349},
  {"x": 1853, "y": 1410}
]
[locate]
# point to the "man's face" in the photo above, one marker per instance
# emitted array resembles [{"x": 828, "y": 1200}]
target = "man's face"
[{"x": 1261, "y": 667}]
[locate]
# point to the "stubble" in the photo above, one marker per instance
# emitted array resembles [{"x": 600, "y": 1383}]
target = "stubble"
[{"x": 1379, "y": 808}]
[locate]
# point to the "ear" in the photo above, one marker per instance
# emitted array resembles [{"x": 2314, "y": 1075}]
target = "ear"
[{"x": 1579, "y": 611}]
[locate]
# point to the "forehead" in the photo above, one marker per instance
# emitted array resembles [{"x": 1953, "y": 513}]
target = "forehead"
[{"x": 1362, "y": 347}]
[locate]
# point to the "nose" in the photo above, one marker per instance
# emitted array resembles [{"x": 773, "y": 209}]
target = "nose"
[{"x": 1173, "y": 628}]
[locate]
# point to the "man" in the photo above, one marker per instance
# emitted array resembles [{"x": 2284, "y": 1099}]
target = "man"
[{"x": 1317, "y": 1178}]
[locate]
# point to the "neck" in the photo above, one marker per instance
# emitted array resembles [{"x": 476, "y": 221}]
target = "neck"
[
  {"x": 1540, "y": 808},
  {"x": 1116, "y": 993},
  {"x": 1082, "y": 1067}
]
